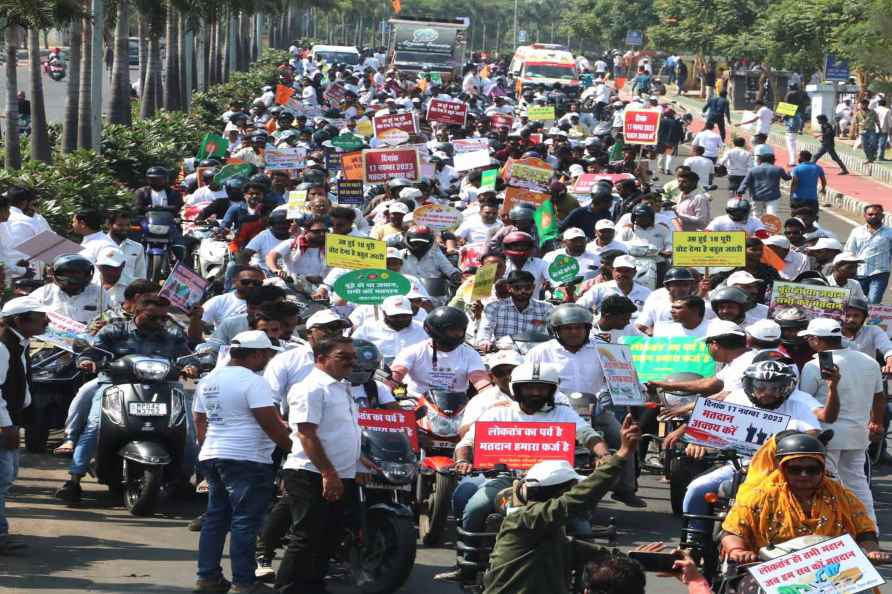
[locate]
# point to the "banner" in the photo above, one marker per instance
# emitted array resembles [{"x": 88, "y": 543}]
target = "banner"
[
  {"x": 622, "y": 380},
  {"x": 826, "y": 302},
  {"x": 501, "y": 121},
  {"x": 471, "y": 160},
  {"x": 834, "y": 566},
  {"x": 297, "y": 201},
  {"x": 540, "y": 113},
  {"x": 348, "y": 142},
  {"x": 488, "y": 180},
  {"x": 521, "y": 445},
  {"x": 335, "y": 93},
  {"x": 655, "y": 358},
  {"x": 586, "y": 182},
  {"x": 786, "y": 109},
  {"x": 371, "y": 286},
  {"x": 530, "y": 177},
  {"x": 284, "y": 158},
  {"x": 348, "y": 251},
  {"x": 351, "y": 166},
  {"x": 332, "y": 162},
  {"x": 452, "y": 113},
  {"x": 437, "y": 216},
  {"x": 390, "y": 421},
  {"x": 563, "y": 269},
  {"x": 468, "y": 145},
  {"x": 394, "y": 121},
  {"x": 484, "y": 279},
  {"x": 880, "y": 315},
  {"x": 184, "y": 288},
  {"x": 717, "y": 424},
  {"x": 212, "y": 146},
  {"x": 46, "y": 246},
  {"x": 515, "y": 196},
  {"x": 350, "y": 192},
  {"x": 233, "y": 170},
  {"x": 641, "y": 126},
  {"x": 709, "y": 248},
  {"x": 379, "y": 165}
]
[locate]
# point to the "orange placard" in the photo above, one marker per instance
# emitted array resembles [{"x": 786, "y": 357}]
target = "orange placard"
[
  {"x": 283, "y": 94},
  {"x": 351, "y": 165},
  {"x": 772, "y": 259},
  {"x": 515, "y": 196},
  {"x": 772, "y": 223}
]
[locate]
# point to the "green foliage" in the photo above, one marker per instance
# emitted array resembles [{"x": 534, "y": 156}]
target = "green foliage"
[
  {"x": 730, "y": 28},
  {"x": 607, "y": 21}
]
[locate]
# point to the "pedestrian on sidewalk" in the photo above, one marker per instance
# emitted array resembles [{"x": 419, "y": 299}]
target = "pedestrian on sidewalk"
[
  {"x": 827, "y": 135},
  {"x": 884, "y": 118},
  {"x": 804, "y": 186},
  {"x": 704, "y": 167},
  {"x": 737, "y": 161},
  {"x": 718, "y": 111},
  {"x": 872, "y": 242},
  {"x": 867, "y": 126},
  {"x": 763, "y": 182}
]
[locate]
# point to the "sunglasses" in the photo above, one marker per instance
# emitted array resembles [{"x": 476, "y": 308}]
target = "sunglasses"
[
  {"x": 807, "y": 469},
  {"x": 249, "y": 283}
]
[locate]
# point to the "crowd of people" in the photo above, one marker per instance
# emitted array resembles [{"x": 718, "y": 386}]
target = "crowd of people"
[{"x": 294, "y": 360}]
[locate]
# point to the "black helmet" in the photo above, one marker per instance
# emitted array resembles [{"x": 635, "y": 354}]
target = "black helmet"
[
  {"x": 209, "y": 163},
  {"x": 738, "y": 209},
  {"x": 441, "y": 320},
  {"x": 156, "y": 171},
  {"x": 64, "y": 266},
  {"x": 520, "y": 213},
  {"x": 678, "y": 274},
  {"x": 315, "y": 177},
  {"x": 285, "y": 115},
  {"x": 261, "y": 180},
  {"x": 788, "y": 443},
  {"x": 278, "y": 215},
  {"x": 419, "y": 234},
  {"x": 769, "y": 373},
  {"x": 235, "y": 187},
  {"x": 368, "y": 359},
  {"x": 643, "y": 210},
  {"x": 566, "y": 314},
  {"x": 791, "y": 317},
  {"x": 601, "y": 192},
  {"x": 858, "y": 303}
]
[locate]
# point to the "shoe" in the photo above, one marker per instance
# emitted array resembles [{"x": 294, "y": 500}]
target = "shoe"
[
  {"x": 265, "y": 571},
  {"x": 843, "y": 172},
  {"x": 219, "y": 586},
  {"x": 255, "y": 588},
  {"x": 70, "y": 492},
  {"x": 456, "y": 575},
  {"x": 629, "y": 499},
  {"x": 195, "y": 524}
]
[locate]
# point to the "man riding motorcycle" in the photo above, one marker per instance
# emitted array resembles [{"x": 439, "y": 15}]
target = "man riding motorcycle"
[
  {"x": 424, "y": 259},
  {"x": 73, "y": 293}
]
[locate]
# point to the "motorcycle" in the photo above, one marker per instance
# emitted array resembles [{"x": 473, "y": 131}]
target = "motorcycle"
[
  {"x": 523, "y": 342},
  {"x": 55, "y": 70},
  {"x": 55, "y": 379},
  {"x": 158, "y": 231},
  {"x": 648, "y": 262},
  {"x": 211, "y": 257},
  {"x": 381, "y": 549},
  {"x": 142, "y": 428}
]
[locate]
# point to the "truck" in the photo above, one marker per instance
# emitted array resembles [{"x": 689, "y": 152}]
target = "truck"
[{"x": 418, "y": 44}]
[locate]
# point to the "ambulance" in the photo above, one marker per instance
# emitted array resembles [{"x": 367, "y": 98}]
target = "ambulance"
[{"x": 545, "y": 64}]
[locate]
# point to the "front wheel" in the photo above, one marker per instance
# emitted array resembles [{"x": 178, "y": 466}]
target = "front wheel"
[
  {"x": 142, "y": 490},
  {"x": 435, "y": 510},
  {"x": 385, "y": 560},
  {"x": 157, "y": 268}
]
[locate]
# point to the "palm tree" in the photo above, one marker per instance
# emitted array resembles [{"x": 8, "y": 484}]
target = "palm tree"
[
  {"x": 72, "y": 93},
  {"x": 13, "y": 156},
  {"x": 171, "y": 62},
  {"x": 85, "y": 106},
  {"x": 119, "y": 98},
  {"x": 153, "y": 13},
  {"x": 40, "y": 136}
]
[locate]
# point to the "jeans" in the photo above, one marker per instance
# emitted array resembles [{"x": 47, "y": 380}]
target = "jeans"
[
  {"x": 239, "y": 492},
  {"x": 700, "y": 486},
  {"x": 316, "y": 527},
  {"x": 86, "y": 442},
  {"x": 869, "y": 145},
  {"x": 734, "y": 183},
  {"x": 9, "y": 470},
  {"x": 874, "y": 286},
  {"x": 848, "y": 465},
  {"x": 610, "y": 427},
  {"x": 829, "y": 149},
  {"x": 79, "y": 409},
  {"x": 882, "y": 142}
]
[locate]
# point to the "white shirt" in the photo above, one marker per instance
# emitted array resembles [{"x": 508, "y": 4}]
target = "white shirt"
[
  {"x": 482, "y": 402},
  {"x": 535, "y": 266},
  {"x": 19, "y": 228},
  {"x": 287, "y": 369},
  {"x": 385, "y": 396},
  {"x": 135, "y": 264},
  {"x": 474, "y": 230},
  {"x": 795, "y": 263},
  {"x": 725, "y": 223},
  {"x": 669, "y": 329},
  {"x": 83, "y": 307},
  {"x": 220, "y": 307},
  {"x": 388, "y": 341},
  {"x": 309, "y": 262},
  {"x": 579, "y": 372},
  {"x": 451, "y": 372},
  {"x": 587, "y": 260},
  {"x": 657, "y": 308},
  {"x": 851, "y": 284},
  {"x": 859, "y": 379},
  {"x": 94, "y": 242},
  {"x": 703, "y": 167},
  {"x": 560, "y": 413},
  {"x": 593, "y": 297},
  {"x": 614, "y": 245},
  {"x": 261, "y": 244},
  {"x": 869, "y": 340},
  {"x": 613, "y": 336},
  {"x": 732, "y": 373},
  {"x": 227, "y": 396},
  {"x": 658, "y": 236},
  {"x": 711, "y": 142},
  {"x": 763, "y": 123},
  {"x": 5, "y": 418},
  {"x": 738, "y": 161},
  {"x": 327, "y": 403}
]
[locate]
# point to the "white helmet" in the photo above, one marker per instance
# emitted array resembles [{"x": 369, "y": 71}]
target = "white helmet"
[
  {"x": 535, "y": 373},
  {"x": 548, "y": 479}
]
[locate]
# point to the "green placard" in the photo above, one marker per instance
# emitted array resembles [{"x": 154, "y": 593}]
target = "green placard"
[
  {"x": 371, "y": 286},
  {"x": 656, "y": 358},
  {"x": 243, "y": 169},
  {"x": 564, "y": 269},
  {"x": 488, "y": 180},
  {"x": 436, "y": 78},
  {"x": 212, "y": 145},
  {"x": 348, "y": 142}
]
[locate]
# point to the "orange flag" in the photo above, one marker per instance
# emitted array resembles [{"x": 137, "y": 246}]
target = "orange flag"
[
  {"x": 396, "y": 5},
  {"x": 772, "y": 259},
  {"x": 283, "y": 94}
]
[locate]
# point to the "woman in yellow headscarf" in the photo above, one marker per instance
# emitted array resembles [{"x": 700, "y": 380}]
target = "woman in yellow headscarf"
[{"x": 796, "y": 499}]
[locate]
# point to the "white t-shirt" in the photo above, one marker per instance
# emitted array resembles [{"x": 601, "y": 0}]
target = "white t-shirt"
[
  {"x": 535, "y": 266},
  {"x": 389, "y": 342},
  {"x": 482, "y": 402},
  {"x": 657, "y": 308},
  {"x": 261, "y": 244},
  {"x": 664, "y": 329},
  {"x": 802, "y": 418},
  {"x": 711, "y": 142},
  {"x": 724, "y": 223},
  {"x": 308, "y": 262},
  {"x": 227, "y": 395},
  {"x": 579, "y": 372},
  {"x": 763, "y": 124},
  {"x": 227, "y": 305},
  {"x": 587, "y": 260},
  {"x": 560, "y": 413},
  {"x": 450, "y": 373},
  {"x": 593, "y": 297},
  {"x": 474, "y": 230},
  {"x": 732, "y": 373},
  {"x": 703, "y": 167},
  {"x": 385, "y": 396}
]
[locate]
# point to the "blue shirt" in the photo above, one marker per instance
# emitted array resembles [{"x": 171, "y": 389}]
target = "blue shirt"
[{"x": 808, "y": 175}]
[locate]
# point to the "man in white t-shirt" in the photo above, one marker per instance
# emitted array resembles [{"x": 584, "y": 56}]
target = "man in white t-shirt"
[
  {"x": 737, "y": 218},
  {"x": 574, "y": 241},
  {"x": 227, "y": 305},
  {"x": 476, "y": 229},
  {"x": 261, "y": 244},
  {"x": 762, "y": 118},
  {"x": 238, "y": 426},
  {"x": 678, "y": 283},
  {"x": 688, "y": 319},
  {"x": 395, "y": 330},
  {"x": 623, "y": 283},
  {"x": 710, "y": 140},
  {"x": 500, "y": 364}
]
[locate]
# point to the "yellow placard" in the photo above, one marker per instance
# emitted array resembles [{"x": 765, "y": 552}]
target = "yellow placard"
[
  {"x": 297, "y": 200},
  {"x": 484, "y": 279},
  {"x": 540, "y": 112},
  {"x": 348, "y": 251},
  {"x": 364, "y": 127},
  {"x": 709, "y": 248},
  {"x": 786, "y": 109}
]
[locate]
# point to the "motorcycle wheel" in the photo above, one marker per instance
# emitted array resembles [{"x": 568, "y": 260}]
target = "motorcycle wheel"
[
  {"x": 156, "y": 268},
  {"x": 386, "y": 558},
  {"x": 435, "y": 510},
  {"x": 37, "y": 432},
  {"x": 141, "y": 492},
  {"x": 683, "y": 470}
]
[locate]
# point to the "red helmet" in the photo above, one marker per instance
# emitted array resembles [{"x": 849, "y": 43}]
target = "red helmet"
[
  {"x": 516, "y": 237},
  {"x": 419, "y": 233}
]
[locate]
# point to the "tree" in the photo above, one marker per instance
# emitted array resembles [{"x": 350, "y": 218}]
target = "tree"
[
  {"x": 152, "y": 12},
  {"x": 85, "y": 106},
  {"x": 119, "y": 99},
  {"x": 40, "y": 135},
  {"x": 72, "y": 91},
  {"x": 607, "y": 21},
  {"x": 730, "y": 28},
  {"x": 13, "y": 153},
  {"x": 172, "y": 62},
  {"x": 864, "y": 37}
]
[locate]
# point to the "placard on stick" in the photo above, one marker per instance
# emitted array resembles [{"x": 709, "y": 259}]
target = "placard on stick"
[
  {"x": 520, "y": 445},
  {"x": 709, "y": 248},
  {"x": 348, "y": 251},
  {"x": 718, "y": 424}
]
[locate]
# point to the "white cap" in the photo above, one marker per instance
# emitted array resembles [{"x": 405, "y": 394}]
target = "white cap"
[
  {"x": 396, "y": 305},
  {"x": 110, "y": 256},
  {"x": 576, "y": 170},
  {"x": 718, "y": 328},
  {"x": 605, "y": 224},
  {"x": 767, "y": 330},
  {"x": 825, "y": 243},
  {"x": 550, "y": 473},
  {"x": 574, "y": 233},
  {"x": 624, "y": 262},
  {"x": 778, "y": 241},
  {"x": 398, "y": 207},
  {"x": 415, "y": 292},
  {"x": 393, "y": 252},
  {"x": 410, "y": 193},
  {"x": 324, "y": 317},
  {"x": 846, "y": 257},
  {"x": 23, "y": 305},
  {"x": 504, "y": 357},
  {"x": 741, "y": 277},
  {"x": 822, "y": 327},
  {"x": 408, "y": 218},
  {"x": 253, "y": 339}
]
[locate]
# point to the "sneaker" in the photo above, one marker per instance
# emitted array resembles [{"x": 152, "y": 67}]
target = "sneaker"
[
  {"x": 265, "y": 571},
  {"x": 219, "y": 586},
  {"x": 195, "y": 524},
  {"x": 70, "y": 492},
  {"x": 255, "y": 588},
  {"x": 458, "y": 575},
  {"x": 629, "y": 499},
  {"x": 843, "y": 172}
]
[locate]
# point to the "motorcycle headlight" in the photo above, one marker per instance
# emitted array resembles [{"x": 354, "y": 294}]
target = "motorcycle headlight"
[
  {"x": 397, "y": 473},
  {"x": 159, "y": 229},
  {"x": 153, "y": 371},
  {"x": 177, "y": 408},
  {"x": 443, "y": 426},
  {"x": 113, "y": 405}
]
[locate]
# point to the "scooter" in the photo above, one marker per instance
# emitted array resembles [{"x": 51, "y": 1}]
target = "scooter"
[
  {"x": 55, "y": 70},
  {"x": 211, "y": 257},
  {"x": 648, "y": 263},
  {"x": 158, "y": 231},
  {"x": 142, "y": 429},
  {"x": 55, "y": 379}
]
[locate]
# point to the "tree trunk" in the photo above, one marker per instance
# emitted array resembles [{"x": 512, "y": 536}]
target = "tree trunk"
[
  {"x": 184, "y": 62},
  {"x": 171, "y": 63},
  {"x": 40, "y": 136},
  {"x": 201, "y": 55},
  {"x": 227, "y": 53},
  {"x": 119, "y": 99},
  {"x": 72, "y": 95},
  {"x": 85, "y": 111},
  {"x": 13, "y": 152},
  {"x": 214, "y": 73},
  {"x": 153, "y": 73},
  {"x": 142, "y": 35}
]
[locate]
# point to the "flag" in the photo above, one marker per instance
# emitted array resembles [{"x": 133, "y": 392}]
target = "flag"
[
  {"x": 212, "y": 145},
  {"x": 396, "y": 5},
  {"x": 546, "y": 222}
]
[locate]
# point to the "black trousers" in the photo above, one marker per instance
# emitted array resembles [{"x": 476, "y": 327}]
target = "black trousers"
[
  {"x": 316, "y": 528},
  {"x": 720, "y": 122},
  {"x": 829, "y": 150}
]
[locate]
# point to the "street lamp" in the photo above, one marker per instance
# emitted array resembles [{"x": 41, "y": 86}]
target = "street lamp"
[{"x": 515, "y": 23}]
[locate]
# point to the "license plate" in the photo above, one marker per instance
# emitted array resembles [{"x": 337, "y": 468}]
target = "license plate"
[
  {"x": 387, "y": 486},
  {"x": 148, "y": 409},
  {"x": 436, "y": 443}
]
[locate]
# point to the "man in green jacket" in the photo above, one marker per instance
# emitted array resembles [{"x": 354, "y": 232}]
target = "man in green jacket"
[{"x": 531, "y": 554}]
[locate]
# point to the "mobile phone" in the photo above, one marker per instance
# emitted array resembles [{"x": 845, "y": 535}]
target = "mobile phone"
[
  {"x": 635, "y": 413},
  {"x": 654, "y": 561},
  {"x": 825, "y": 362}
]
